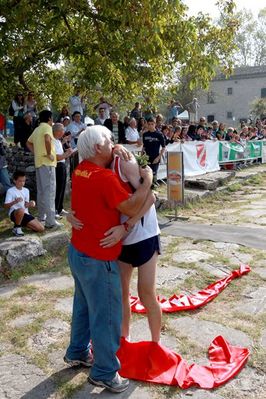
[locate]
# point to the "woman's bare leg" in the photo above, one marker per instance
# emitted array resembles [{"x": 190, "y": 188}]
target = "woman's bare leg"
[
  {"x": 126, "y": 273},
  {"x": 147, "y": 295}
]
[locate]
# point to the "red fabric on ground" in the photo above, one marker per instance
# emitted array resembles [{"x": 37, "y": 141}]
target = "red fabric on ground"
[
  {"x": 189, "y": 302},
  {"x": 152, "y": 362}
]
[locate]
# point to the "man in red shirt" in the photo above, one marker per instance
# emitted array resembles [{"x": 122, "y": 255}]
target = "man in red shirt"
[{"x": 98, "y": 199}]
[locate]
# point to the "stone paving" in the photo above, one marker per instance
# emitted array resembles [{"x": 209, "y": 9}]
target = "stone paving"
[{"x": 35, "y": 318}]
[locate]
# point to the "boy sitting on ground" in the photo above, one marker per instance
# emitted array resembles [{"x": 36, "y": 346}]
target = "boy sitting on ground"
[{"x": 18, "y": 201}]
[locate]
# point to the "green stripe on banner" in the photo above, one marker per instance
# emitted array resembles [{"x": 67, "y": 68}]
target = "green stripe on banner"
[{"x": 232, "y": 152}]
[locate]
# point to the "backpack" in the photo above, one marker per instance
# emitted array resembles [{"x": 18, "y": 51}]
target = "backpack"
[{"x": 11, "y": 111}]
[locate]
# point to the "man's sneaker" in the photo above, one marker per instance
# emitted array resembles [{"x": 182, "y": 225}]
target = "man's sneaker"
[
  {"x": 57, "y": 216},
  {"x": 116, "y": 385},
  {"x": 79, "y": 362},
  {"x": 17, "y": 231},
  {"x": 55, "y": 225},
  {"x": 63, "y": 212}
]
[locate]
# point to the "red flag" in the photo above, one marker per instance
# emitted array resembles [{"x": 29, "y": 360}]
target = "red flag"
[
  {"x": 177, "y": 303},
  {"x": 153, "y": 362}
]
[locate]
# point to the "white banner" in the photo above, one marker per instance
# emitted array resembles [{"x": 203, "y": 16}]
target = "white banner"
[{"x": 200, "y": 157}]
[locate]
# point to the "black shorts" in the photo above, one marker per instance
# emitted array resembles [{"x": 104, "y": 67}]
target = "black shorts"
[
  {"x": 141, "y": 252},
  {"x": 26, "y": 218}
]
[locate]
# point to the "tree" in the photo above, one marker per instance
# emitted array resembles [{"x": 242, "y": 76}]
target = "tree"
[
  {"x": 258, "y": 108},
  {"x": 121, "y": 47},
  {"x": 251, "y": 38}
]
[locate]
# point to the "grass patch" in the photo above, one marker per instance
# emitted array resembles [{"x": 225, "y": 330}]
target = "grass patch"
[
  {"x": 67, "y": 389},
  {"x": 234, "y": 187},
  {"x": 164, "y": 391},
  {"x": 25, "y": 290},
  {"x": 256, "y": 180},
  {"x": 18, "y": 337}
]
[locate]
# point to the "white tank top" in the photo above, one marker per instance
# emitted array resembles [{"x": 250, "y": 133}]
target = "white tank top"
[{"x": 147, "y": 227}]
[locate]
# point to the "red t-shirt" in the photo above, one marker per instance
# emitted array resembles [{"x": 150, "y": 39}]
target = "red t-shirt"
[{"x": 96, "y": 192}]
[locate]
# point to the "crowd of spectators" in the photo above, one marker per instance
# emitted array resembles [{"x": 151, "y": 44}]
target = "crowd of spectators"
[{"x": 149, "y": 130}]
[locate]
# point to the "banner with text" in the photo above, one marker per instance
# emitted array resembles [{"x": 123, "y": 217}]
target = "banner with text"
[
  {"x": 233, "y": 152},
  {"x": 199, "y": 156}
]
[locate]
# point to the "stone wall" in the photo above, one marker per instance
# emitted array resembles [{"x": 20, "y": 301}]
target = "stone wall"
[{"x": 18, "y": 159}]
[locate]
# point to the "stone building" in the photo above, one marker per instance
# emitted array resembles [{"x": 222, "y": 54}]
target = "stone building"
[{"x": 229, "y": 99}]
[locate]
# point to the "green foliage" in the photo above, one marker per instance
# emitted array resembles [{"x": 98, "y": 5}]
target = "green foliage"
[
  {"x": 119, "y": 47},
  {"x": 142, "y": 160},
  {"x": 251, "y": 38},
  {"x": 258, "y": 107}
]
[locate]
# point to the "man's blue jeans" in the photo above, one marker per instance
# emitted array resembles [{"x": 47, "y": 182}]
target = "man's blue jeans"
[{"x": 97, "y": 313}]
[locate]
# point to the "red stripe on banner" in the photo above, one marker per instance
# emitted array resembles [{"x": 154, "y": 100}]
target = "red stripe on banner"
[
  {"x": 177, "y": 303},
  {"x": 153, "y": 362}
]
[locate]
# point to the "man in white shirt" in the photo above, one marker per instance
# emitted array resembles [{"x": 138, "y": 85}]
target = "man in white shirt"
[
  {"x": 76, "y": 103},
  {"x": 60, "y": 170},
  {"x": 75, "y": 128},
  {"x": 132, "y": 134},
  {"x": 105, "y": 105}
]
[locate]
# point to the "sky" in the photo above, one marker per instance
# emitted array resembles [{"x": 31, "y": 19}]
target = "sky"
[{"x": 208, "y": 6}]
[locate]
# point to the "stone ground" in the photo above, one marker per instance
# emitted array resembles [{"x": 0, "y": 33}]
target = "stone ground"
[{"x": 36, "y": 310}]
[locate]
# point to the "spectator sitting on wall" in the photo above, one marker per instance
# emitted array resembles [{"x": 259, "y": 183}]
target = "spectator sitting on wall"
[
  {"x": 64, "y": 112},
  {"x": 26, "y": 130},
  {"x": 30, "y": 105},
  {"x": 18, "y": 108},
  {"x": 18, "y": 201}
]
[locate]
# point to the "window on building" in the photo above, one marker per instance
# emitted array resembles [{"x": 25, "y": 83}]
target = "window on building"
[
  {"x": 230, "y": 91},
  {"x": 229, "y": 115},
  {"x": 263, "y": 92},
  {"x": 210, "y": 118},
  {"x": 210, "y": 97}
]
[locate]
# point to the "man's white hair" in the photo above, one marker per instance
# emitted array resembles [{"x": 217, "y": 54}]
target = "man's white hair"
[{"x": 89, "y": 138}]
